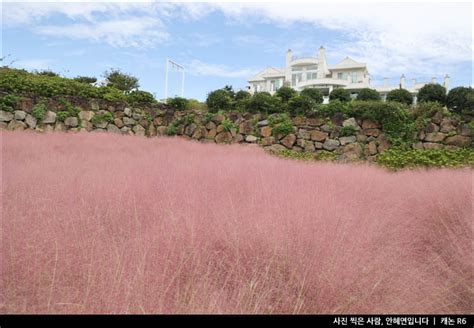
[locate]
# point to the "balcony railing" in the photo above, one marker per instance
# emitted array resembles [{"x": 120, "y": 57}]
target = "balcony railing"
[{"x": 303, "y": 56}]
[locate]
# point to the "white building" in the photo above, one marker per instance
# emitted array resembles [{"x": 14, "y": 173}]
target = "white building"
[{"x": 314, "y": 72}]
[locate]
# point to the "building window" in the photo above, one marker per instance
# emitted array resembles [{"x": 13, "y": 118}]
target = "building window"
[
  {"x": 354, "y": 77},
  {"x": 295, "y": 78},
  {"x": 274, "y": 85},
  {"x": 342, "y": 76},
  {"x": 256, "y": 87},
  {"x": 311, "y": 76}
]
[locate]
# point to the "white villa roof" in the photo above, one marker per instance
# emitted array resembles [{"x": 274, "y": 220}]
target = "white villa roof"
[
  {"x": 266, "y": 73},
  {"x": 347, "y": 63}
]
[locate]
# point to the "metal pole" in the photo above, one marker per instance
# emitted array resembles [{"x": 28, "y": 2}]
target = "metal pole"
[
  {"x": 166, "y": 81},
  {"x": 182, "y": 85}
]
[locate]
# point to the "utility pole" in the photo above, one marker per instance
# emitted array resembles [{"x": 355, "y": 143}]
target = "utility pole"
[{"x": 178, "y": 67}]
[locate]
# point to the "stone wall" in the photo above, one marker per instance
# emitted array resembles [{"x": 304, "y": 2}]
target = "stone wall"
[{"x": 309, "y": 134}]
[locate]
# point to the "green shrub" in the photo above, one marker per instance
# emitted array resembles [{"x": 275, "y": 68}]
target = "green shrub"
[
  {"x": 140, "y": 97},
  {"x": 324, "y": 155},
  {"x": 432, "y": 92},
  {"x": 228, "y": 125},
  {"x": 422, "y": 113},
  {"x": 300, "y": 105},
  {"x": 395, "y": 118},
  {"x": 18, "y": 81},
  {"x": 61, "y": 115},
  {"x": 178, "y": 103},
  {"x": 340, "y": 94},
  {"x": 281, "y": 124},
  {"x": 189, "y": 118},
  {"x": 172, "y": 129},
  {"x": 85, "y": 79},
  {"x": 461, "y": 100},
  {"x": 328, "y": 110},
  {"x": 285, "y": 93},
  {"x": 207, "y": 117},
  {"x": 111, "y": 94},
  {"x": 314, "y": 94},
  {"x": 471, "y": 126},
  {"x": 263, "y": 102},
  {"x": 302, "y": 156},
  {"x": 402, "y": 96},
  {"x": 68, "y": 107},
  {"x": 242, "y": 94},
  {"x": 348, "y": 131},
  {"x": 38, "y": 111},
  {"x": 230, "y": 91},
  {"x": 47, "y": 72},
  {"x": 195, "y": 104},
  {"x": 368, "y": 94},
  {"x": 242, "y": 105},
  {"x": 396, "y": 158},
  {"x": 120, "y": 81},
  {"x": 8, "y": 102},
  {"x": 219, "y": 100},
  {"x": 103, "y": 117}
]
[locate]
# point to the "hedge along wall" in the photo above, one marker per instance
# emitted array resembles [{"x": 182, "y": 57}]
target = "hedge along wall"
[{"x": 344, "y": 138}]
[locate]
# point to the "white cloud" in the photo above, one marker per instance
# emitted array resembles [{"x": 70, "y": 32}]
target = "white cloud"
[
  {"x": 199, "y": 68},
  {"x": 33, "y": 63},
  {"x": 120, "y": 24},
  {"x": 392, "y": 38},
  {"x": 132, "y": 32}
]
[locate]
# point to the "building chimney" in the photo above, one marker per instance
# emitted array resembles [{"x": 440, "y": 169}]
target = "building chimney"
[
  {"x": 322, "y": 67},
  {"x": 446, "y": 82},
  {"x": 289, "y": 58},
  {"x": 433, "y": 80},
  {"x": 385, "y": 81},
  {"x": 402, "y": 81}
]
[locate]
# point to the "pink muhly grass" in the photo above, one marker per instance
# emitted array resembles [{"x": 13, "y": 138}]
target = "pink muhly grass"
[{"x": 118, "y": 224}]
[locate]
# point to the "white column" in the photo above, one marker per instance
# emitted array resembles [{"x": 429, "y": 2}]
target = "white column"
[
  {"x": 446, "y": 82},
  {"x": 402, "y": 81},
  {"x": 166, "y": 80}
]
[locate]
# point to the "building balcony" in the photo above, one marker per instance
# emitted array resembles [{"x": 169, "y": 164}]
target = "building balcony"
[
  {"x": 321, "y": 83},
  {"x": 302, "y": 61}
]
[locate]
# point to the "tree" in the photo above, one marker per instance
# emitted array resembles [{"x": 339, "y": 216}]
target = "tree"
[
  {"x": 85, "y": 79},
  {"x": 219, "y": 100},
  {"x": 300, "y": 105},
  {"x": 340, "y": 94},
  {"x": 432, "y": 92},
  {"x": 263, "y": 102},
  {"x": 140, "y": 97},
  {"x": 178, "y": 103},
  {"x": 314, "y": 94},
  {"x": 402, "y": 96},
  {"x": 459, "y": 99},
  {"x": 285, "y": 93},
  {"x": 47, "y": 72},
  {"x": 242, "y": 94},
  {"x": 368, "y": 94},
  {"x": 121, "y": 81},
  {"x": 230, "y": 90}
]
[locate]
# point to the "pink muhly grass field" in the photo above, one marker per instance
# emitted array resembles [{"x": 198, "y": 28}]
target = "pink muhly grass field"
[{"x": 117, "y": 224}]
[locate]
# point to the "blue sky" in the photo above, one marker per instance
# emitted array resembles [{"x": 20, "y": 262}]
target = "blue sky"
[{"x": 225, "y": 43}]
